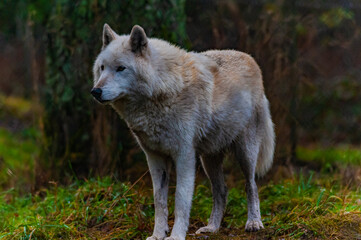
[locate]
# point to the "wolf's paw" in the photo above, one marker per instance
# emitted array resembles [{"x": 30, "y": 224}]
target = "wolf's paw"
[
  {"x": 155, "y": 238},
  {"x": 207, "y": 229},
  {"x": 174, "y": 238},
  {"x": 253, "y": 225}
]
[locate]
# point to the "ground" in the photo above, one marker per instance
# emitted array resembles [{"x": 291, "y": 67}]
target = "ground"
[
  {"x": 317, "y": 202},
  {"x": 304, "y": 207}
]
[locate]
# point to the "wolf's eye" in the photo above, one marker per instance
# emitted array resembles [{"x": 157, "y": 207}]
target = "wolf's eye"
[
  {"x": 102, "y": 67},
  {"x": 120, "y": 68}
]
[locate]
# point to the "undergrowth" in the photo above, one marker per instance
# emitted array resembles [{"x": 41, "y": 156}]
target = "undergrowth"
[
  {"x": 18, "y": 152},
  {"x": 304, "y": 207},
  {"x": 341, "y": 155},
  {"x": 19, "y": 146}
]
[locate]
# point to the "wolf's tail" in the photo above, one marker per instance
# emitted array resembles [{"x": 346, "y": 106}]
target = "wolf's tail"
[{"x": 266, "y": 151}]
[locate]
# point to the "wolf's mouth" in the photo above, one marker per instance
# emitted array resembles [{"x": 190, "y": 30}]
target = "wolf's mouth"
[
  {"x": 101, "y": 100},
  {"x": 97, "y": 94},
  {"x": 120, "y": 96},
  {"x": 109, "y": 101},
  {"x": 104, "y": 101}
]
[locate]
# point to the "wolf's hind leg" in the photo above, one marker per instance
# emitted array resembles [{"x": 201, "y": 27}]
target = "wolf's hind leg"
[
  {"x": 212, "y": 165},
  {"x": 246, "y": 151},
  {"x": 159, "y": 168}
]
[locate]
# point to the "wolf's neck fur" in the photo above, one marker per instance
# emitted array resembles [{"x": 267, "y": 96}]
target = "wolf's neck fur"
[{"x": 176, "y": 93}]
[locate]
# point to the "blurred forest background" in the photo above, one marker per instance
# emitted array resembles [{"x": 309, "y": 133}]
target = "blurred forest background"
[
  {"x": 309, "y": 52},
  {"x": 52, "y": 130}
]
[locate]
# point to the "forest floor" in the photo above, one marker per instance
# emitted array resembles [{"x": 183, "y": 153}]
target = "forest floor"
[
  {"x": 304, "y": 207},
  {"x": 320, "y": 202}
]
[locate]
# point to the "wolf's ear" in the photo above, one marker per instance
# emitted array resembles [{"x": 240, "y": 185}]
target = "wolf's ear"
[
  {"x": 138, "y": 40},
  {"x": 108, "y": 35}
]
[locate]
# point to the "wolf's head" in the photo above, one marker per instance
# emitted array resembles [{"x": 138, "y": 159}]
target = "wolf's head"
[{"x": 119, "y": 68}]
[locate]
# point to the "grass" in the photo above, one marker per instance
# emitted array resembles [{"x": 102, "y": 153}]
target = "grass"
[
  {"x": 17, "y": 158},
  {"x": 89, "y": 209},
  {"x": 342, "y": 155},
  {"x": 305, "y": 207},
  {"x": 18, "y": 145}
]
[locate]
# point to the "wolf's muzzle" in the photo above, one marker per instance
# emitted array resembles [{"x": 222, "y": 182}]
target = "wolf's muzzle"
[{"x": 97, "y": 94}]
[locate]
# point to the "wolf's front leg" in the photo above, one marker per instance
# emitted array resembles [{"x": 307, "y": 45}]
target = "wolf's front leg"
[
  {"x": 159, "y": 168},
  {"x": 185, "y": 167}
]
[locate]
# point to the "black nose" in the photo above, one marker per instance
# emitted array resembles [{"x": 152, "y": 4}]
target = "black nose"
[{"x": 97, "y": 93}]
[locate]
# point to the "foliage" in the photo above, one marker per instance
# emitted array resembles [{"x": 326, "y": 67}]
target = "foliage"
[
  {"x": 18, "y": 153},
  {"x": 305, "y": 207},
  {"x": 16, "y": 107},
  {"x": 79, "y": 135},
  {"x": 341, "y": 155},
  {"x": 336, "y": 16},
  {"x": 308, "y": 52},
  {"x": 18, "y": 143}
]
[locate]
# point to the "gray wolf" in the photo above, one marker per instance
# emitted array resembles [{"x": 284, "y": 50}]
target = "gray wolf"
[{"x": 181, "y": 106}]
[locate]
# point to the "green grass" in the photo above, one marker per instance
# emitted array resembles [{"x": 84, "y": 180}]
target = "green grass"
[
  {"x": 310, "y": 206},
  {"x": 89, "y": 209},
  {"x": 17, "y": 158},
  {"x": 304, "y": 207},
  {"x": 18, "y": 142},
  {"x": 342, "y": 155}
]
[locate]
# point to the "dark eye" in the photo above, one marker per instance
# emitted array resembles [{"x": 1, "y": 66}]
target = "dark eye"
[
  {"x": 120, "y": 68},
  {"x": 102, "y": 67}
]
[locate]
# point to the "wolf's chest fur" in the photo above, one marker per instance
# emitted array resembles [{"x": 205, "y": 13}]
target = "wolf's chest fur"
[{"x": 160, "y": 127}]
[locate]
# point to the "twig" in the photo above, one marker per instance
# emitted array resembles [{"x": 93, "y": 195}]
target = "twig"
[
  {"x": 115, "y": 202},
  {"x": 31, "y": 233}
]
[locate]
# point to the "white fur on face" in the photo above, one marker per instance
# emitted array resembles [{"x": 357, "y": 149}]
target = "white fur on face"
[
  {"x": 147, "y": 77},
  {"x": 114, "y": 84}
]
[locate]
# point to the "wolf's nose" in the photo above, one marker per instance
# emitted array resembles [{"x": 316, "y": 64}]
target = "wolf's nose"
[{"x": 97, "y": 93}]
